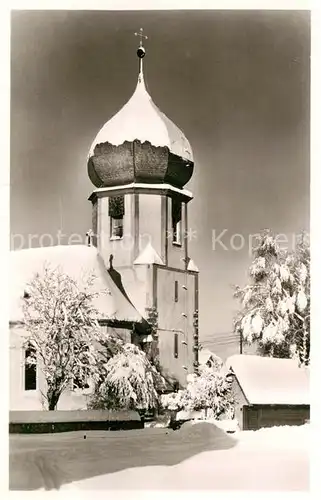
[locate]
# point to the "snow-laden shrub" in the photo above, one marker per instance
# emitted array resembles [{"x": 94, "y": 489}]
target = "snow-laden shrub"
[
  {"x": 209, "y": 389},
  {"x": 129, "y": 381}
]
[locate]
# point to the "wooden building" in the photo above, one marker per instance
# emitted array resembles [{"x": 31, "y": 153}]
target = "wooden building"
[{"x": 269, "y": 391}]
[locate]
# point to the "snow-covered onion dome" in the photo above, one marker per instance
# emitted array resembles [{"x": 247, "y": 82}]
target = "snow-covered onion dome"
[{"x": 140, "y": 144}]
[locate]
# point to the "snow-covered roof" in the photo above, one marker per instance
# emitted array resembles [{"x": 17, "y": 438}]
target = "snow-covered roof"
[
  {"x": 191, "y": 266},
  {"x": 78, "y": 261},
  {"x": 204, "y": 355},
  {"x": 267, "y": 380},
  {"x": 141, "y": 119},
  {"x": 148, "y": 256},
  {"x": 207, "y": 357}
]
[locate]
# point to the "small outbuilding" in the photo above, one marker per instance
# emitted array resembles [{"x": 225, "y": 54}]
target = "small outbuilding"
[
  {"x": 209, "y": 359},
  {"x": 269, "y": 391}
]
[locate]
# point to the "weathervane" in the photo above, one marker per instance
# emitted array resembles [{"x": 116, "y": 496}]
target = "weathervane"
[{"x": 141, "y": 51}]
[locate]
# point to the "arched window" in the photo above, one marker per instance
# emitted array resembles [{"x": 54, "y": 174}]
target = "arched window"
[{"x": 30, "y": 369}]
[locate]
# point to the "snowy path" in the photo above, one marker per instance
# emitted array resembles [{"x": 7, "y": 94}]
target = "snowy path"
[
  {"x": 269, "y": 459},
  {"x": 222, "y": 470}
]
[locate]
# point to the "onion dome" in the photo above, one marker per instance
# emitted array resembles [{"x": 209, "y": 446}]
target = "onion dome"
[{"x": 140, "y": 144}]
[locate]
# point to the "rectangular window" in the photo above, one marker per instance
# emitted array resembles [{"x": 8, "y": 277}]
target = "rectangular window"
[
  {"x": 177, "y": 221},
  {"x": 177, "y": 233},
  {"x": 116, "y": 212},
  {"x": 175, "y": 345},
  {"x": 116, "y": 228},
  {"x": 30, "y": 370},
  {"x": 176, "y": 291}
]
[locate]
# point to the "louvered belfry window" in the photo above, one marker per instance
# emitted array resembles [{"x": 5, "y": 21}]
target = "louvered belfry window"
[
  {"x": 116, "y": 212},
  {"x": 177, "y": 221},
  {"x": 116, "y": 208}
]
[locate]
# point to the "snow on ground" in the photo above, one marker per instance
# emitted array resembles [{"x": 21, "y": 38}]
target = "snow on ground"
[
  {"x": 226, "y": 425},
  {"x": 266, "y": 460},
  {"x": 276, "y": 438}
]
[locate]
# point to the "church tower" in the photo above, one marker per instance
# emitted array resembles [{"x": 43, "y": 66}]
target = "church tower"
[{"x": 139, "y": 163}]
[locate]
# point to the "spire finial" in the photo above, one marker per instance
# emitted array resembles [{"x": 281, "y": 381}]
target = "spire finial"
[
  {"x": 141, "y": 35},
  {"x": 141, "y": 51}
]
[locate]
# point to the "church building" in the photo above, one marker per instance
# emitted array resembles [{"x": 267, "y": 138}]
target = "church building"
[{"x": 137, "y": 248}]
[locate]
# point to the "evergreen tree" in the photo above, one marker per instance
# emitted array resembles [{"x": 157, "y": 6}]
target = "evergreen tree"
[{"x": 275, "y": 310}]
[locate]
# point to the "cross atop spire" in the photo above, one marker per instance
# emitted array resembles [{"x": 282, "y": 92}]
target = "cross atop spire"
[
  {"x": 141, "y": 35},
  {"x": 141, "y": 52}
]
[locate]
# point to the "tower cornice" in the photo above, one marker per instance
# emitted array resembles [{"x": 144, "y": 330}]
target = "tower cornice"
[{"x": 142, "y": 188}]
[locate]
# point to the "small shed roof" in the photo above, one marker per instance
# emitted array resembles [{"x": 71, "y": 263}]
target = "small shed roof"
[
  {"x": 265, "y": 380},
  {"x": 204, "y": 356}
]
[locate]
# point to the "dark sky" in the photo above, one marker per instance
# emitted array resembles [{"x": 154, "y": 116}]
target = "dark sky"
[{"x": 236, "y": 82}]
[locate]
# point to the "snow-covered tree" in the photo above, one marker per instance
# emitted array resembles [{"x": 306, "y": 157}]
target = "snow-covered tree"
[
  {"x": 129, "y": 381},
  {"x": 275, "y": 310},
  {"x": 209, "y": 389},
  {"x": 62, "y": 331}
]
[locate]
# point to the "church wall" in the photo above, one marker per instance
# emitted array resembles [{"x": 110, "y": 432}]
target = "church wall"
[
  {"x": 137, "y": 281},
  {"x": 150, "y": 228},
  {"x": 122, "y": 249},
  {"x": 20, "y": 399},
  {"x": 176, "y": 253},
  {"x": 171, "y": 321},
  {"x": 192, "y": 305},
  {"x": 94, "y": 222}
]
